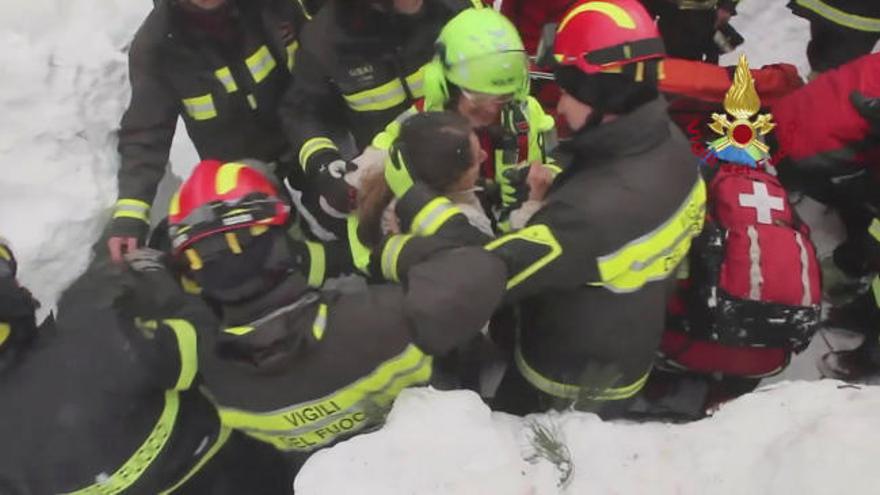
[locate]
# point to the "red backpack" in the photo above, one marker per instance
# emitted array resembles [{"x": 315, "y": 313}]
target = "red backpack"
[{"x": 754, "y": 291}]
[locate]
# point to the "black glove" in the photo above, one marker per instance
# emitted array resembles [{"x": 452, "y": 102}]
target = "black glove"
[
  {"x": 515, "y": 187},
  {"x": 129, "y": 227},
  {"x": 155, "y": 291},
  {"x": 869, "y": 108}
]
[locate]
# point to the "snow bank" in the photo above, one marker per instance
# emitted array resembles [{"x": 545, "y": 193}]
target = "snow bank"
[{"x": 792, "y": 438}]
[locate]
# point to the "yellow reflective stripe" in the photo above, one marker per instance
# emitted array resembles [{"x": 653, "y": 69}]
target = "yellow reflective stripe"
[
  {"x": 320, "y": 323},
  {"x": 310, "y": 425},
  {"x": 384, "y": 139},
  {"x": 433, "y": 215},
  {"x": 222, "y": 437},
  {"x": 200, "y": 107},
  {"x": 360, "y": 254},
  {"x": 232, "y": 242},
  {"x": 574, "y": 392},
  {"x": 387, "y": 95},
  {"x": 252, "y": 102},
  {"x": 313, "y": 146},
  {"x": 188, "y": 348},
  {"x": 135, "y": 466},
  {"x": 839, "y": 17},
  {"x": 5, "y": 332},
  {"x": 391, "y": 254},
  {"x": 874, "y": 229},
  {"x": 195, "y": 261},
  {"x": 614, "y": 12},
  {"x": 132, "y": 208},
  {"x": 224, "y": 75},
  {"x": 238, "y": 331},
  {"x": 535, "y": 234},
  {"x": 305, "y": 11},
  {"x": 4, "y": 253},
  {"x": 260, "y": 63},
  {"x": 655, "y": 255},
  {"x": 190, "y": 286},
  {"x": 317, "y": 264},
  {"x": 227, "y": 177},
  {"x": 291, "y": 55}
]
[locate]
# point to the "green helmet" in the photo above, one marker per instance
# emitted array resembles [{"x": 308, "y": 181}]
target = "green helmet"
[{"x": 480, "y": 50}]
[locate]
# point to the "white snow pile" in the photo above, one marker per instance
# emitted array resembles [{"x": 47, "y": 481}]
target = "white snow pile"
[{"x": 791, "y": 438}]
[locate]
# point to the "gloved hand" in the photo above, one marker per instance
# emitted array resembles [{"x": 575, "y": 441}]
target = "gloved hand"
[
  {"x": 514, "y": 186},
  {"x": 396, "y": 173},
  {"x": 126, "y": 235},
  {"x": 869, "y": 108},
  {"x": 155, "y": 291},
  {"x": 336, "y": 196},
  {"x": 145, "y": 260}
]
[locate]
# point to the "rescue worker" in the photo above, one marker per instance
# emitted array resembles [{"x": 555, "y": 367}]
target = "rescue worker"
[
  {"x": 840, "y": 30},
  {"x": 301, "y": 368},
  {"x": 592, "y": 269},
  {"x": 360, "y": 65},
  {"x": 221, "y": 65},
  {"x": 696, "y": 29},
  {"x": 480, "y": 71},
  {"x": 102, "y": 402}
]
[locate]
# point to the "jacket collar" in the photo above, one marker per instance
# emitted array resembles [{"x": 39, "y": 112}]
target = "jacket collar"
[{"x": 282, "y": 295}]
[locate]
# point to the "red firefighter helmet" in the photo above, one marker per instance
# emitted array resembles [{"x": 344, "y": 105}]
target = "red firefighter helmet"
[
  {"x": 602, "y": 36},
  {"x": 219, "y": 197}
]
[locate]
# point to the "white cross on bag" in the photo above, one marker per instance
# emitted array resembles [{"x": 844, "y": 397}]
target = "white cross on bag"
[{"x": 762, "y": 201}]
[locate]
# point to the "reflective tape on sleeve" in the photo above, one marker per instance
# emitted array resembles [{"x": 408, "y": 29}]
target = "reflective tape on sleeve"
[
  {"x": 433, "y": 215},
  {"x": 317, "y": 264},
  {"x": 841, "y": 18},
  {"x": 320, "y": 323},
  {"x": 200, "y": 107},
  {"x": 388, "y": 95},
  {"x": 391, "y": 254},
  {"x": 224, "y": 75},
  {"x": 188, "y": 351},
  {"x": 132, "y": 208},
  {"x": 261, "y": 63},
  {"x": 313, "y": 146}
]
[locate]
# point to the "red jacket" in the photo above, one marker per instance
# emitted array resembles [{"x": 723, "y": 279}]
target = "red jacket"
[{"x": 529, "y": 16}]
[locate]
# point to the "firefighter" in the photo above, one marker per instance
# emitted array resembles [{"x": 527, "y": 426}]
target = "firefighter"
[
  {"x": 301, "y": 368},
  {"x": 592, "y": 269},
  {"x": 696, "y": 29},
  {"x": 840, "y": 30},
  {"x": 105, "y": 400},
  {"x": 360, "y": 65},
  {"x": 480, "y": 71},
  {"x": 221, "y": 65}
]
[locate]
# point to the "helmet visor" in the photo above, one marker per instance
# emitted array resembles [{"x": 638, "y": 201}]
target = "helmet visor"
[{"x": 500, "y": 73}]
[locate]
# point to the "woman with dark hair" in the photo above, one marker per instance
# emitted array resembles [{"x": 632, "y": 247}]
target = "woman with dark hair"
[{"x": 440, "y": 151}]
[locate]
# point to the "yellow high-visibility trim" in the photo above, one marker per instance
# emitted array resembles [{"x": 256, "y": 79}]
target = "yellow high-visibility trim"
[
  {"x": 5, "y": 332},
  {"x": 227, "y": 177},
  {"x": 655, "y": 255},
  {"x": 252, "y": 102},
  {"x": 188, "y": 348},
  {"x": 313, "y": 146},
  {"x": 224, "y": 75},
  {"x": 307, "y": 426},
  {"x": 320, "y": 323},
  {"x": 222, "y": 437},
  {"x": 260, "y": 63},
  {"x": 574, "y": 392},
  {"x": 317, "y": 264},
  {"x": 232, "y": 242},
  {"x": 4, "y": 253},
  {"x": 143, "y": 457},
  {"x": 291, "y": 55},
  {"x": 617, "y": 14},
  {"x": 132, "y": 208},
  {"x": 190, "y": 286},
  {"x": 841, "y": 18},
  {"x": 388, "y": 95},
  {"x": 195, "y": 261},
  {"x": 875, "y": 289},
  {"x": 535, "y": 234},
  {"x": 874, "y": 229},
  {"x": 174, "y": 204},
  {"x": 391, "y": 255},
  {"x": 360, "y": 254},
  {"x": 433, "y": 216},
  {"x": 258, "y": 230},
  {"x": 200, "y": 107},
  {"x": 238, "y": 331}
]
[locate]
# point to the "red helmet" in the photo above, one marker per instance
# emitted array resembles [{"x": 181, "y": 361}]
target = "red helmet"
[
  {"x": 220, "y": 197},
  {"x": 603, "y": 35}
]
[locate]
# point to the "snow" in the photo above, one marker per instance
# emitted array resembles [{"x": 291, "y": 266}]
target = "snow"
[
  {"x": 792, "y": 438},
  {"x": 63, "y": 88}
]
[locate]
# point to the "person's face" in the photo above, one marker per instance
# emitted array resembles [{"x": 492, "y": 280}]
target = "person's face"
[
  {"x": 481, "y": 110},
  {"x": 469, "y": 178},
  {"x": 408, "y": 7},
  {"x": 206, "y": 4},
  {"x": 573, "y": 111}
]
